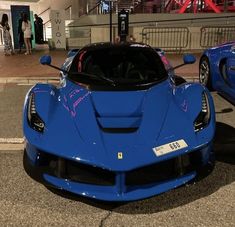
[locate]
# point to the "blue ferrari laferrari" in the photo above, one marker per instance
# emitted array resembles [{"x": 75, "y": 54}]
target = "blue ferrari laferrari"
[
  {"x": 217, "y": 69},
  {"x": 121, "y": 125}
]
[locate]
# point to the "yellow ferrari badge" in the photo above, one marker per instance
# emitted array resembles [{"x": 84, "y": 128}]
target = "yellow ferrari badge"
[{"x": 120, "y": 156}]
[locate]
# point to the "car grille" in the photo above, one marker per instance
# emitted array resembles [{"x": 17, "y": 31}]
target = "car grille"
[
  {"x": 94, "y": 175},
  {"x": 161, "y": 171},
  {"x": 88, "y": 174},
  {"x": 75, "y": 171}
]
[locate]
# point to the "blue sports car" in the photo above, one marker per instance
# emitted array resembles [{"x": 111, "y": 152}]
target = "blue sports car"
[
  {"x": 120, "y": 126},
  {"x": 217, "y": 69}
]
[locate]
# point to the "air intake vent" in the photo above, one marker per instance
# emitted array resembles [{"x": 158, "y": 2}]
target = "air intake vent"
[{"x": 119, "y": 124}]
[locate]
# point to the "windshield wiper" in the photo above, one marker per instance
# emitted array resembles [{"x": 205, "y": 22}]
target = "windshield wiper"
[{"x": 103, "y": 78}]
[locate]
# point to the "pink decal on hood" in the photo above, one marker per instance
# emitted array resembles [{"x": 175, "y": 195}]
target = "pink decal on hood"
[
  {"x": 74, "y": 92},
  {"x": 77, "y": 102},
  {"x": 65, "y": 99},
  {"x": 66, "y": 107}
]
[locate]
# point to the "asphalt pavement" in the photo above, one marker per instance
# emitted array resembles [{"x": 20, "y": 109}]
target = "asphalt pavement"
[{"x": 24, "y": 202}]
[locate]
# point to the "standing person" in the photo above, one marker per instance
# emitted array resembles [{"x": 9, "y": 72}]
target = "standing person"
[
  {"x": 8, "y": 48},
  {"x": 38, "y": 24},
  {"x": 27, "y": 29},
  {"x": 20, "y": 32},
  {"x": 104, "y": 7}
]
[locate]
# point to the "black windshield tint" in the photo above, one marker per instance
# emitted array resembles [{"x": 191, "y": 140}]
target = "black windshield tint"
[{"x": 124, "y": 65}]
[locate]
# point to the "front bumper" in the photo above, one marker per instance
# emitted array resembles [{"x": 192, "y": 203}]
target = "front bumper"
[{"x": 101, "y": 184}]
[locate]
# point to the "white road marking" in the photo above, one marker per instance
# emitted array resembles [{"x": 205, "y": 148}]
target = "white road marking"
[
  {"x": 11, "y": 147},
  {"x": 25, "y": 84},
  {"x": 11, "y": 140},
  {"x": 27, "y": 80},
  {"x": 11, "y": 144}
]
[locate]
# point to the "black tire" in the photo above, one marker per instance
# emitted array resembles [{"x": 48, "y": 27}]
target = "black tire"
[{"x": 205, "y": 72}]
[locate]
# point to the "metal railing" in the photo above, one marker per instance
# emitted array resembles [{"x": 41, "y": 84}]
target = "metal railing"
[
  {"x": 168, "y": 38},
  {"x": 176, "y": 39},
  {"x": 94, "y": 9},
  {"x": 44, "y": 11},
  {"x": 167, "y": 6},
  {"x": 212, "y": 36}
]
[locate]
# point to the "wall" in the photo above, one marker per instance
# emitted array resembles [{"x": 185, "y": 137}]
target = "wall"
[{"x": 7, "y": 5}]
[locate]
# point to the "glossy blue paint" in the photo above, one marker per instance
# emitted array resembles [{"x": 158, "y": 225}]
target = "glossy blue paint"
[
  {"x": 219, "y": 57},
  {"x": 74, "y": 117},
  {"x": 189, "y": 59},
  {"x": 45, "y": 60}
]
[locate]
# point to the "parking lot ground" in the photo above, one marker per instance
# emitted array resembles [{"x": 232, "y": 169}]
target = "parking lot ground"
[
  {"x": 24, "y": 202},
  {"x": 25, "y": 66}
]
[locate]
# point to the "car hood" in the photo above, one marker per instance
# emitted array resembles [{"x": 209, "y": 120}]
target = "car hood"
[
  {"x": 109, "y": 117},
  {"x": 110, "y": 122}
]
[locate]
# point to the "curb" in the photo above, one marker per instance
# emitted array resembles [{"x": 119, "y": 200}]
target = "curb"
[{"x": 11, "y": 144}]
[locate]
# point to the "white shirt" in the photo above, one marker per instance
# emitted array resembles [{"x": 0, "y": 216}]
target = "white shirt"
[{"x": 27, "y": 29}]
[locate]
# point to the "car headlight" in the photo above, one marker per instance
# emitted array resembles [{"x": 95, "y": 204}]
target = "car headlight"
[
  {"x": 203, "y": 117},
  {"x": 34, "y": 119}
]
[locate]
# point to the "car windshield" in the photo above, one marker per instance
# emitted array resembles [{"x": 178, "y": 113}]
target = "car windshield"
[{"x": 118, "y": 65}]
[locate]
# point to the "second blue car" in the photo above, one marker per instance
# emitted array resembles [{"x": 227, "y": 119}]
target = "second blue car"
[{"x": 217, "y": 69}]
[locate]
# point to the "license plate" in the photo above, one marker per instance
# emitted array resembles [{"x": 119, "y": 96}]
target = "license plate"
[{"x": 170, "y": 147}]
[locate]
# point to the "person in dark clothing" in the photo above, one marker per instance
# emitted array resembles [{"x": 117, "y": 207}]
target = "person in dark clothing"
[
  {"x": 20, "y": 32},
  {"x": 38, "y": 25}
]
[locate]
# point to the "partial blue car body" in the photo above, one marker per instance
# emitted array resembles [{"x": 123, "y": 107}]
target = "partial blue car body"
[
  {"x": 221, "y": 75},
  {"x": 116, "y": 138}
]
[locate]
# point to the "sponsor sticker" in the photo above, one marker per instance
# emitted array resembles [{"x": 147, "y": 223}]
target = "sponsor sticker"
[{"x": 170, "y": 147}]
